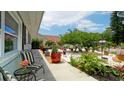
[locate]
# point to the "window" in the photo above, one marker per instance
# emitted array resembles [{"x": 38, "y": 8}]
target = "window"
[
  {"x": 11, "y": 25},
  {"x": 11, "y": 32},
  {"x": 10, "y": 42}
]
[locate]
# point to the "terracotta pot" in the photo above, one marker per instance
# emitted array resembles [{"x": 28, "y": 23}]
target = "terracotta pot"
[
  {"x": 120, "y": 57},
  {"x": 56, "y": 57}
]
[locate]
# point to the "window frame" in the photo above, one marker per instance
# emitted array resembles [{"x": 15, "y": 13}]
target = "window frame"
[
  {"x": 15, "y": 36},
  {"x": 6, "y": 58}
]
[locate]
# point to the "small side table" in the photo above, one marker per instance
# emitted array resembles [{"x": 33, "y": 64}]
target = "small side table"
[{"x": 25, "y": 74}]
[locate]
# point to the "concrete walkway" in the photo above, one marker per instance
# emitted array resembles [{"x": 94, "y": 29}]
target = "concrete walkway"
[{"x": 65, "y": 72}]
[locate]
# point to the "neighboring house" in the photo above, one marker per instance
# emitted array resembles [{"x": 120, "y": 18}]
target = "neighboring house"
[
  {"x": 52, "y": 38},
  {"x": 16, "y": 30}
]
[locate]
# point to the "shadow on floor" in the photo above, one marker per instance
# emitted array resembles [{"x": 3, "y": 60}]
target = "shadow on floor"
[{"x": 48, "y": 76}]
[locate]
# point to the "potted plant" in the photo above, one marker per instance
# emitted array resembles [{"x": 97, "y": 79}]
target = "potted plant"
[
  {"x": 48, "y": 45},
  {"x": 120, "y": 57},
  {"x": 35, "y": 44},
  {"x": 55, "y": 55}
]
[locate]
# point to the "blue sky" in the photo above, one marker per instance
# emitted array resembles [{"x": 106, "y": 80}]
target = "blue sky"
[{"x": 58, "y": 22}]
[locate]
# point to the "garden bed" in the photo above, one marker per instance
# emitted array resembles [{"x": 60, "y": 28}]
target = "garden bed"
[{"x": 95, "y": 67}]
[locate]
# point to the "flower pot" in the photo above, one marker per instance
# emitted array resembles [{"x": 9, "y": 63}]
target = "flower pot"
[
  {"x": 56, "y": 57},
  {"x": 120, "y": 57}
]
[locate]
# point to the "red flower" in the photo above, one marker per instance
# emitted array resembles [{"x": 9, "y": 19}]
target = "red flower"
[
  {"x": 120, "y": 68},
  {"x": 25, "y": 63}
]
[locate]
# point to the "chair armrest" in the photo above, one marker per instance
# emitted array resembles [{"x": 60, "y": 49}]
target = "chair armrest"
[{"x": 32, "y": 66}]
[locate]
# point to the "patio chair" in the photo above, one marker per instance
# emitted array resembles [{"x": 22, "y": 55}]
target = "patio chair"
[
  {"x": 27, "y": 55},
  {"x": 5, "y": 75}
]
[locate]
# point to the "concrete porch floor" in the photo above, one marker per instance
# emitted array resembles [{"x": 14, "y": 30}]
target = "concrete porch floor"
[
  {"x": 64, "y": 72},
  {"x": 48, "y": 76}
]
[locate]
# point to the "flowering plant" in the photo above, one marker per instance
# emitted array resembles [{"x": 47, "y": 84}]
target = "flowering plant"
[
  {"x": 121, "y": 68},
  {"x": 24, "y": 63}
]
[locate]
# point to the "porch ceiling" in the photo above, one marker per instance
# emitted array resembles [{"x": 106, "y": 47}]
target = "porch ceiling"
[{"x": 32, "y": 20}]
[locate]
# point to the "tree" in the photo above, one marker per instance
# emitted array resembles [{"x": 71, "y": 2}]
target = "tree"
[
  {"x": 107, "y": 34},
  {"x": 90, "y": 40},
  {"x": 73, "y": 37},
  {"x": 49, "y": 43},
  {"x": 118, "y": 28},
  {"x": 78, "y": 37},
  {"x": 36, "y": 43}
]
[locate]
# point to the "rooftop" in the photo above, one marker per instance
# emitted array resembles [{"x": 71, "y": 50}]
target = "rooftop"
[{"x": 51, "y": 38}]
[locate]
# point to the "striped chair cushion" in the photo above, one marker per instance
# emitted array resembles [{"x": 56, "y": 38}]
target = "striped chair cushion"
[
  {"x": 31, "y": 57},
  {"x": 34, "y": 65},
  {"x": 27, "y": 56},
  {"x": 23, "y": 55}
]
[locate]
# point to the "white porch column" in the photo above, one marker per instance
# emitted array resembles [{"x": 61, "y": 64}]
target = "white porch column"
[
  {"x": 19, "y": 46},
  {"x": 26, "y": 36}
]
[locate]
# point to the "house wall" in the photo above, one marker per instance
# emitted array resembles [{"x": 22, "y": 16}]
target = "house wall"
[{"x": 10, "y": 61}]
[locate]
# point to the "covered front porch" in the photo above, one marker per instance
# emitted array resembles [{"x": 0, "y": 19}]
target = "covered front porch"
[{"x": 17, "y": 29}]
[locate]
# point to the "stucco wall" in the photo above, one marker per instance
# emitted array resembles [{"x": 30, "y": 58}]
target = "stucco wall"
[{"x": 11, "y": 65}]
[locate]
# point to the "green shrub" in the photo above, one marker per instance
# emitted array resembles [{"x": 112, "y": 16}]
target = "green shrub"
[
  {"x": 54, "y": 49},
  {"x": 89, "y": 63},
  {"x": 92, "y": 65},
  {"x": 74, "y": 62},
  {"x": 122, "y": 45},
  {"x": 36, "y": 43},
  {"x": 49, "y": 43}
]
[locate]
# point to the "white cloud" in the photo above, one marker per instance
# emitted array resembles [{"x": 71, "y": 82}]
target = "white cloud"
[
  {"x": 62, "y": 18},
  {"x": 88, "y": 25},
  {"x": 105, "y": 12}
]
